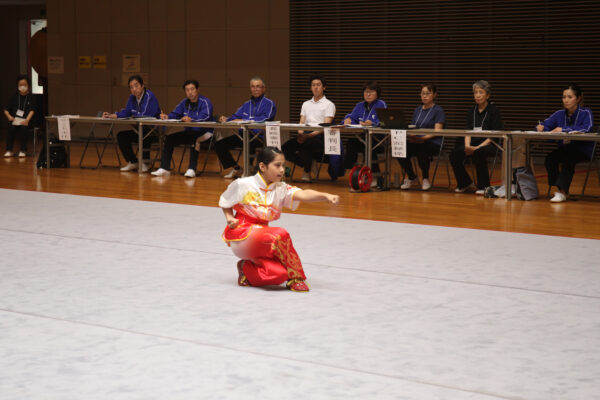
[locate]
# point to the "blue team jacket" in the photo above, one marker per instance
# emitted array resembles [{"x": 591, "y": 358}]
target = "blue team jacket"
[
  {"x": 258, "y": 109},
  {"x": 147, "y": 107},
  {"x": 582, "y": 120},
  {"x": 364, "y": 112},
  {"x": 202, "y": 111}
]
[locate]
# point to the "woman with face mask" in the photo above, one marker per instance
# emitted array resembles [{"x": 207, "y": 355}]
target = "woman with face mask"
[{"x": 19, "y": 112}]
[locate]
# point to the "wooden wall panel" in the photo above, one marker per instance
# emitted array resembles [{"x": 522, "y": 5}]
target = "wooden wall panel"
[
  {"x": 527, "y": 50},
  {"x": 220, "y": 43}
]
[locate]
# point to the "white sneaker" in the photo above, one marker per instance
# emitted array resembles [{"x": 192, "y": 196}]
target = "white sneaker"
[
  {"x": 160, "y": 172},
  {"x": 375, "y": 180},
  {"x": 129, "y": 167},
  {"x": 8, "y": 154},
  {"x": 426, "y": 185},
  {"x": 462, "y": 190},
  {"x": 234, "y": 173},
  {"x": 21, "y": 154},
  {"x": 305, "y": 177},
  {"x": 145, "y": 167},
  {"x": 408, "y": 183},
  {"x": 480, "y": 192},
  {"x": 558, "y": 197},
  {"x": 190, "y": 173}
]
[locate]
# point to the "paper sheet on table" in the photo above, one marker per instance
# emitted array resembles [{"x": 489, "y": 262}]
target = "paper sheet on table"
[
  {"x": 332, "y": 141},
  {"x": 294, "y": 125},
  {"x": 17, "y": 121},
  {"x": 398, "y": 137},
  {"x": 64, "y": 127},
  {"x": 273, "y": 135}
]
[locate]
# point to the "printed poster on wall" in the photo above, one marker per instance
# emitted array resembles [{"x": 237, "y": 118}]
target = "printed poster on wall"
[
  {"x": 56, "y": 65},
  {"x": 131, "y": 63},
  {"x": 100, "y": 62},
  {"x": 85, "y": 62}
]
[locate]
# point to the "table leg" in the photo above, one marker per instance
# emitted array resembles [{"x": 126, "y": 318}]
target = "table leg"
[
  {"x": 47, "y": 145},
  {"x": 507, "y": 160},
  {"x": 246, "y": 150},
  {"x": 388, "y": 163},
  {"x": 368, "y": 149},
  {"x": 140, "y": 148}
]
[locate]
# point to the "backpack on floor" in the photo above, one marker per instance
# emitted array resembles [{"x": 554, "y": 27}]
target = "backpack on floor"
[
  {"x": 527, "y": 188},
  {"x": 58, "y": 155}
]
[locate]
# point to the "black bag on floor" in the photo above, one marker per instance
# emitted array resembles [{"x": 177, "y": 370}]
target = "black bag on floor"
[{"x": 58, "y": 155}]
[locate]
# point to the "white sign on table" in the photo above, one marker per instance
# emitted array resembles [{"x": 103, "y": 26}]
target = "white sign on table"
[
  {"x": 64, "y": 127},
  {"x": 332, "y": 141},
  {"x": 273, "y": 135},
  {"x": 398, "y": 137}
]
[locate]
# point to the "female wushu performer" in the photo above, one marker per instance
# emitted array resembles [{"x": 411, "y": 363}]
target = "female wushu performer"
[{"x": 267, "y": 254}]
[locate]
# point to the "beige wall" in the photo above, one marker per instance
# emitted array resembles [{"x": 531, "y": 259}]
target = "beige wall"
[{"x": 221, "y": 43}]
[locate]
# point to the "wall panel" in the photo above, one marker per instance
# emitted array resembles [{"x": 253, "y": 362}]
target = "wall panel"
[
  {"x": 220, "y": 43},
  {"x": 527, "y": 50}
]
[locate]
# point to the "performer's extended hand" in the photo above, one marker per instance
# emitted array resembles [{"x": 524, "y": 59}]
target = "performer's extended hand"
[
  {"x": 233, "y": 223},
  {"x": 332, "y": 198}
]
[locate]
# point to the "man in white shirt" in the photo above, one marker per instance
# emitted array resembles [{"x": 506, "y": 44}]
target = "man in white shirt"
[{"x": 308, "y": 146}]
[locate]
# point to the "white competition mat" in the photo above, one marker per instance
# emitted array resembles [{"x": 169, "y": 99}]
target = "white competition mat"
[{"x": 117, "y": 299}]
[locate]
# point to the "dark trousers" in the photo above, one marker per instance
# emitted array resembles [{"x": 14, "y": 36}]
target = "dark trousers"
[
  {"x": 423, "y": 151},
  {"x": 223, "y": 147},
  {"x": 126, "y": 138},
  {"x": 355, "y": 146},
  {"x": 567, "y": 155},
  {"x": 175, "y": 139},
  {"x": 303, "y": 154},
  {"x": 480, "y": 156},
  {"x": 19, "y": 131}
]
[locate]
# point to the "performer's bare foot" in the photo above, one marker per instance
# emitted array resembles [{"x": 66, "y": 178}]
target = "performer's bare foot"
[
  {"x": 297, "y": 285},
  {"x": 242, "y": 281}
]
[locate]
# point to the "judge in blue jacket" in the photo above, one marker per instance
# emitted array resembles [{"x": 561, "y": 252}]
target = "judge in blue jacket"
[
  {"x": 194, "y": 108},
  {"x": 141, "y": 103},
  {"x": 572, "y": 118},
  {"x": 257, "y": 109},
  {"x": 365, "y": 114}
]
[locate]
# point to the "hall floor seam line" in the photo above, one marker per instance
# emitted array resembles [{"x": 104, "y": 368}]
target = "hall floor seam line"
[
  {"x": 319, "y": 265},
  {"x": 235, "y": 350}
]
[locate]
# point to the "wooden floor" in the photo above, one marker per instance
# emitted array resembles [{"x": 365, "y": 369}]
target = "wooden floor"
[{"x": 579, "y": 217}]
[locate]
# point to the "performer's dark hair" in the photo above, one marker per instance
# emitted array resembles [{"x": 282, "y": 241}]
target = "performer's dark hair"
[{"x": 267, "y": 154}]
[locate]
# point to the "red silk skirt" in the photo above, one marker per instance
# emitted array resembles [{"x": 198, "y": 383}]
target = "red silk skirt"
[{"x": 268, "y": 253}]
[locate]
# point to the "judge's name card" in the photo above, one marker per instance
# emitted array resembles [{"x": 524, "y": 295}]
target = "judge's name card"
[
  {"x": 398, "y": 137},
  {"x": 332, "y": 141},
  {"x": 64, "y": 127},
  {"x": 273, "y": 135}
]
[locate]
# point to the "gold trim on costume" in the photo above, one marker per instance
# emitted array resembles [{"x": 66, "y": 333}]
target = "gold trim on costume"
[{"x": 288, "y": 258}]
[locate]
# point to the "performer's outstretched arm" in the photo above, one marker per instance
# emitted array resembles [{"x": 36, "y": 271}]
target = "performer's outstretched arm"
[{"x": 310, "y": 195}]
